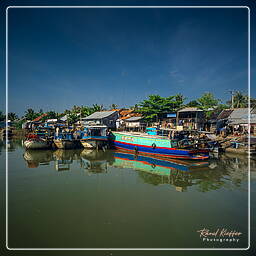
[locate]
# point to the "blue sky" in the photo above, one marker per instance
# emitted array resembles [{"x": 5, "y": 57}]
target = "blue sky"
[{"x": 64, "y": 57}]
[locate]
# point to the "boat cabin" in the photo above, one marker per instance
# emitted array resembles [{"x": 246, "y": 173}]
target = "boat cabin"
[{"x": 95, "y": 131}]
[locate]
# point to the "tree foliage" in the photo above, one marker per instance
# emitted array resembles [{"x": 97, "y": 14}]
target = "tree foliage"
[
  {"x": 2, "y": 116},
  {"x": 12, "y": 116},
  {"x": 30, "y": 114},
  {"x": 240, "y": 100},
  {"x": 193, "y": 103},
  {"x": 207, "y": 100},
  {"x": 156, "y": 105}
]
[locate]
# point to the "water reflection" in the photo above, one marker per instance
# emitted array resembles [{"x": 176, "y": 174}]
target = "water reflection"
[
  {"x": 94, "y": 161},
  {"x": 224, "y": 171}
]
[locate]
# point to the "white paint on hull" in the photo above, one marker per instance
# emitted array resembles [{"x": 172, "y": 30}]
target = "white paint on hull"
[
  {"x": 92, "y": 143},
  {"x": 36, "y": 144}
]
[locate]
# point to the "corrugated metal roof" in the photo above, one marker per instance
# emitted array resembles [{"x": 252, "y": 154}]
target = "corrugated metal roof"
[
  {"x": 244, "y": 119},
  {"x": 238, "y": 113},
  {"x": 99, "y": 115},
  {"x": 134, "y": 118},
  {"x": 225, "y": 113},
  {"x": 190, "y": 109}
]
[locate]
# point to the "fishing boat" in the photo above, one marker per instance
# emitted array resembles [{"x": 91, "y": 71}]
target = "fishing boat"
[
  {"x": 65, "y": 138},
  {"x": 38, "y": 140},
  {"x": 95, "y": 137},
  {"x": 158, "y": 145}
]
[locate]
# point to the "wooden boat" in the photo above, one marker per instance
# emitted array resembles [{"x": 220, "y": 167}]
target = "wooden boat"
[
  {"x": 157, "y": 145},
  {"x": 37, "y": 141},
  {"x": 65, "y": 140},
  {"x": 95, "y": 137}
]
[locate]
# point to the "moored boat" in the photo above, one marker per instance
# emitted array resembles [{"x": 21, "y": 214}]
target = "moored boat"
[
  {"x": 34, "y": 141},
  {"x": 95, "y": 137},
  {"x": 40, "y": 138},
  {"x": 158, "y": 145},
  {"x": 65, "y": 141}
]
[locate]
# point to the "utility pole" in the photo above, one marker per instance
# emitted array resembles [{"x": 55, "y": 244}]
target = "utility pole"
[{"x": 232, "y": 98}]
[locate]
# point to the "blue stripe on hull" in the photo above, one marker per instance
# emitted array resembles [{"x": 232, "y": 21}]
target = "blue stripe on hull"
[
  {"x": 153, "y": 161},
  {"x": 153, "y": 150}
]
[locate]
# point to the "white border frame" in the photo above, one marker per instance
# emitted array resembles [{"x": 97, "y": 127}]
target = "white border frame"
[{"x": 129, "y": 249}]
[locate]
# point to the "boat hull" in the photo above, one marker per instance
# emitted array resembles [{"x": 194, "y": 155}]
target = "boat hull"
[
  {"x": 93, "y": 143},
  {"x": 64, "y": 144},
  {"x": 156, "y": 146},
  {"x": 36, "y": 144}
]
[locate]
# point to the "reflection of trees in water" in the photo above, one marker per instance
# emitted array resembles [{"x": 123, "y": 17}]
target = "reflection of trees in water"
[{"x": 11, "y": 144}]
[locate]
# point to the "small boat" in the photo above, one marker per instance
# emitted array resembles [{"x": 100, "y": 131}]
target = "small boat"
[
  {"x": 66, "y": 139},
  {"x": 38, "y": 140},
  {"x": 158, "y": 145},
  {"x": 95, "y": 137}
]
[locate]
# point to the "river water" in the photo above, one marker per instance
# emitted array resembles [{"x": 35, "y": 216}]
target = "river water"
[{"x": 90, "y": 199}]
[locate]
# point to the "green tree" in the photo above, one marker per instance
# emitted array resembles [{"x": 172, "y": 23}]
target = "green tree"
[
  {"x": 156, "y": 105},
  {"x": 76, "y": 109},
  {"x": 12, "y": 116},
  {"x": 135, "y": 107},
  {"x": 2, "y": 116},
  {"x": 72, "y": 118},
  {"x": 193, "y": 103},
  {"x": 239, "y": 100},
  {"x": 113, "y": 106},
  {"x": 96, "y": 107},
  {"x": 207, "y": 100},
  {"x": 86, "y": 111},
  {"x": 30, "y": 114},
  {"x": 52, "y": 115}
]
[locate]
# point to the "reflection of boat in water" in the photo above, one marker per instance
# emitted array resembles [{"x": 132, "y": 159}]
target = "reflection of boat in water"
[
  {"x": 38, "y": 157},
  {"x": 96, "y": 161},
  {"x": 64, "y": 158},
  {"x": 154, "y": 165}
]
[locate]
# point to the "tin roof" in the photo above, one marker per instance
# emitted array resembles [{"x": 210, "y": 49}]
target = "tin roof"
[
  {"x": 238, "y": 113},
  {"x": 99, "y": 115},
  {"x": 133, "y": 118},
  {"x": 190, "y": 109}
]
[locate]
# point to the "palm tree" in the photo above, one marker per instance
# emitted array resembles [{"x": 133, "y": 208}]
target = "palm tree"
[
  {"x": 96, "y": 107},
  {"x": 2, "y": 116},
  {"x": 30, "y": 114},
  {"x": 240, "y": 100},
  {"x": 12, "y": 116},
  {"x": 113, "y": 106}
]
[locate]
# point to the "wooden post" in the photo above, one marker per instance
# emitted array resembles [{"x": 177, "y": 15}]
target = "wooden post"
[{"x": 177, "y": 119}]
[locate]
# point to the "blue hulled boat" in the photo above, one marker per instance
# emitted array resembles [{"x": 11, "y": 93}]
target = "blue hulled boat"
[{"x": 158, "y": 145}]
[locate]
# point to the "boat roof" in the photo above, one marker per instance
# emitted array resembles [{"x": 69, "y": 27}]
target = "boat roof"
[{"x": 141, "y": 134}]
